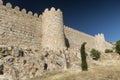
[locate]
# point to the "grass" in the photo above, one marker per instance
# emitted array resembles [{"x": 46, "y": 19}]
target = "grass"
[{"x": 96, "y": 73}]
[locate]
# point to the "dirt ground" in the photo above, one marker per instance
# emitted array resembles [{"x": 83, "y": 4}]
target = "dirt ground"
[{"x": 101, "y": 71}]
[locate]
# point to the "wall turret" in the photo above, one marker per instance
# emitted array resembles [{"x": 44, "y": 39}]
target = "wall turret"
[
  {"x": 100, "y": 42},
  {"x": 52, "y": 30},
  {"x": 1, "y": 2}
]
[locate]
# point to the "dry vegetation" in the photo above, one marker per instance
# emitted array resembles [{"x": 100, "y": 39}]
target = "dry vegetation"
[{"x": 96, "y": 73}]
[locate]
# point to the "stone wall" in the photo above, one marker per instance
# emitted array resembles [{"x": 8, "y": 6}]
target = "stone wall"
[
  {"x": 25, "y": 29},
  {"x": 19, "y": 28},
  {"x": 76, "y": 38}
]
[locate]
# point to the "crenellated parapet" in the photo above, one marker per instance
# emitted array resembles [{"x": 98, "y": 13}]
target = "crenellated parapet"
[
  {"x": 23, "y": 11},
  {"x": 8, "y": 6},
  {"x": 30, "y": 13},
  {"x": 100, "y": 42},
  {"x": 100, "y": 37},
  {"x": 57, "y": 12},
  {"x": 35, "y": 15},
  {"x": 16, "y": 10}
]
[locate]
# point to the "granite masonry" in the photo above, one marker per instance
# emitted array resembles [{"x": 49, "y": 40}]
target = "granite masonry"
[{"x": 30, "y": 43}]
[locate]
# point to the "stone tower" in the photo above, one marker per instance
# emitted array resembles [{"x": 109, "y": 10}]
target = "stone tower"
[
  {"x": 1, "y": 2},
  {"x": 52, "y": 30},
  {"x": 100, "y": 42}
]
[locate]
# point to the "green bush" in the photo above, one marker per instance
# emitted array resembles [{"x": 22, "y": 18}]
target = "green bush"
[
  {"x": 95, "y": 54},
  {"x": 83, "y": 57},
  {"x": 118, "y": 47},
  {"x": 108, "y": 51}
]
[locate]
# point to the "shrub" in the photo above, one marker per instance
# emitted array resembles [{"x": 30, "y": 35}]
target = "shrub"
[
  {"x": 95, "y": 54},
  {"x": 84, "y": 65},
  {"x": 118, "y": 47},
  {"x": 108, "y": 51}
]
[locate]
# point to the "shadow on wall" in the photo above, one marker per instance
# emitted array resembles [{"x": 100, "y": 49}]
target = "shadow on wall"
[
  {"x": 67, "y": 42},
  {"x": 45, "y": 66}
]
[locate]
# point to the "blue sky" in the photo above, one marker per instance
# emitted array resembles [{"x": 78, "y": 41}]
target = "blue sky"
[{"x": 89, "y": 16}]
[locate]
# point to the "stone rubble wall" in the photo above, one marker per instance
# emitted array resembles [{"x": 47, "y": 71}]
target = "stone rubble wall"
[
  {"x": 22, "y": 64},
  {"x": 19, "y": 64}
]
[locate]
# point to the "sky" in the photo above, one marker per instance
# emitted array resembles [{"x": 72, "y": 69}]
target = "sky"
[{"x": 88, "y": 16}]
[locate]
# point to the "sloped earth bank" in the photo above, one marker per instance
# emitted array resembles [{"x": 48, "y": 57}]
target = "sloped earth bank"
[{"x": 101, "y": 71}]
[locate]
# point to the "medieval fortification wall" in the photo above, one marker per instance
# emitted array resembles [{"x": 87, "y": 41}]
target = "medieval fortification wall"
[
  {"x": 25, "y": 29},
  {"x": 19, "y": 28}
]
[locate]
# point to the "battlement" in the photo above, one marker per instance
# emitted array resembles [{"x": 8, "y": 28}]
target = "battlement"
[
  {"x": 100, "y": 42},
  {"x": 23, "y": 12},
  {"x": 100, "y": 36},
  {"x": 16, "y": 10},
  {"x": 52, "y": 12}
]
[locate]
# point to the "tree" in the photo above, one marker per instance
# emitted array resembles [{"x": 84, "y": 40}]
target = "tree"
[
  {"x": 108, "y": 50},
  {"x": 95, "y": 54},
  {"x": 84, "y": 64},
  {"x": 118, "y": 47}
]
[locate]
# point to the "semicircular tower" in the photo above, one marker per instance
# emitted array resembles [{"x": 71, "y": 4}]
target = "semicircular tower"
[{"x": 52, "y": 30}]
